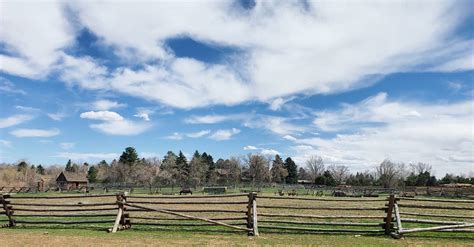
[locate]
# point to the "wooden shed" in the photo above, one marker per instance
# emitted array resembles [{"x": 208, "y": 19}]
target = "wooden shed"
[{"x": 71, "y": 180}]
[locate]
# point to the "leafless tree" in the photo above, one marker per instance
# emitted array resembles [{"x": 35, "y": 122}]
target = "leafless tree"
[
  {"x": 420, "y": 168},
  {"x": 339, "y": 172},
  {"x": 259, "y": 168},
  {"x": 389, "y": 173},
  {"x": 315, "y": 166}
]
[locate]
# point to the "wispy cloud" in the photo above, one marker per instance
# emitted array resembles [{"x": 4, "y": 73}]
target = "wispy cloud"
[
  {"x": 105, "y": 105},
  {"x": 14, "y": 120},
  {"x": 7, "y": 86},
  {"x": 86, "y": 156},
  {"x": 35, "y": 132},
  {"x": 67, "y": 145}
]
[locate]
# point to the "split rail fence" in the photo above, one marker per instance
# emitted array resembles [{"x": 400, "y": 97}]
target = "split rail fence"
[{"x": 240, "y": 212}]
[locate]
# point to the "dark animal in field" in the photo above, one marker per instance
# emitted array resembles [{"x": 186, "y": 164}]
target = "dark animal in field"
[
  {"x": 293, "y": 193},
  {"x": 339, "y": 193},
  {"x": 185, "y": 191}
]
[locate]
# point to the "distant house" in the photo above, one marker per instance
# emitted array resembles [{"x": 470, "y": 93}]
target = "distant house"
[{"x": 71, "y": 180}]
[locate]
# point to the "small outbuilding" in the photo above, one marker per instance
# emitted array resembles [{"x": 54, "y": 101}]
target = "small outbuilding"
[{"x": 71, "y": 180}]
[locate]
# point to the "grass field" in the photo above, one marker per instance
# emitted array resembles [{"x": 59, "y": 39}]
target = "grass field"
[{"x": 139, "y": 235}]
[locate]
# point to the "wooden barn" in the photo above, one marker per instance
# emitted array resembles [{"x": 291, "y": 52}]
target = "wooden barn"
[{"x": 71, "y": 180}]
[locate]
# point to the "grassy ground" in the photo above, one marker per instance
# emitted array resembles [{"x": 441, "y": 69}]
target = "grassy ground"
[{"x": 139, "y": 235}]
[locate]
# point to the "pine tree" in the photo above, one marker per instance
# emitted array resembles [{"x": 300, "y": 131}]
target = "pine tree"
[
  {"x": 22, "y": 166},
  {"x": 40, "y": 170},
  {"x": 129, "y": 156},
  {"x": 92, "y": 174},
  {"x": 278, "y": 171},
  {"x": 69, "y": 166},
  {"x": 184, "y": 168},
  {"x": 291, "y": 167}
]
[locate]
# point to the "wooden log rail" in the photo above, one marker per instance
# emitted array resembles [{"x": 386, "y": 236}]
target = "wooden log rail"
[
  {"x": 434, "y": 200},
  {"x": 435, "y": 207},
  {"x": 184, "y": 219},
  {"x": 438, "y": 215},
  {"x": 193, "y": 210},
  {"x": 188, "y": 197},
  {"x": 61, "y": 197},
  {"x": 321, "y": 199},
  {"x": 322, "y": 216},
  {"x": 326, "y": 208},
  {"x": 187, "y": 203}
]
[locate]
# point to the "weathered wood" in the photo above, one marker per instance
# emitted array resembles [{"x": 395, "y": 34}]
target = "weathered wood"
[
  {"x": 7, "y": 209},
  {"x": 63, "y": 205},
  {"x": 324, "y": 208},
  {"x": 186, "y": 203},
  {"x": 320, "y": 229},
  {"x": 439, "y": 222},
  {"x": 66, "y": 215},
  {"x": 435, "y": 207},
  {"x": 435, "y": 200},
  {"x": 322, "y": 216},
  {"x": 183, "y": 224},
  {"x": 323, "y": 223},
  {"x": 165, "y": 211},
  {"x": 184, "y": 219},
  {"x": 194, "y": 210},
  {"x": 65, "y": 210},
  {"x": 435, "y": 228},
  {"x": 188, "y": 197},
  {"x": 397, "y": 217},
  {"x": 119, "y": 213},
  {"x": 59, "y": 197},
  {"x": 321, "y": 199},
  {"x": 254, "y": 215},
  {"x": 64, "y": 222},
  {"x": 438, "y": 215},
  {"x": 249, "y": 212},
  {"x": 388, "y": 219}
]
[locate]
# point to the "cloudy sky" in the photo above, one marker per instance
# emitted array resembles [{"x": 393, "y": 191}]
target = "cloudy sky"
[{"x": 352, "y": 81}]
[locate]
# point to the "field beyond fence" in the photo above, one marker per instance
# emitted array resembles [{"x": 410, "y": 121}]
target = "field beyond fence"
[{"x": 240, "y": 213}]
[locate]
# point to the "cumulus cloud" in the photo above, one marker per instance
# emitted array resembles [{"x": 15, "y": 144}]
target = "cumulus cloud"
[
  {"x": 377, "y": 128},
  {"x": 179, "y": 136},
  {"x": 285, "y": 48},
  {"x": 224, "y": 134},
  {"x": 14, "y": 120},
  {"x": 114, "y": 124},
  {"x": 35, "y": 132}
]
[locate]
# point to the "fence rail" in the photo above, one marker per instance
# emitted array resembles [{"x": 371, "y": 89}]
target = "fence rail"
[{"x": 239, "y": 212}]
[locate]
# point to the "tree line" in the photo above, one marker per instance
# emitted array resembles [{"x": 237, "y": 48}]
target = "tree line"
[{"x": 255, "y": 169}]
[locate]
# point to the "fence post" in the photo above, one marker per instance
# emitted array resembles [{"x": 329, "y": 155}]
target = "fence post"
[
  {"x": 125, "y": 220},
  {"x": 8, "y": 210},
  {"x": 249, "y": 212},
  {"x": 389, "y": 211},
  {"x": 254, "y": 214},
  {"x": 119, "y": 217}
]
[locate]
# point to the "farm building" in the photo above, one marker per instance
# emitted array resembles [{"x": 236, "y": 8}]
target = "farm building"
[
  {"x": 44, "y": 181},
  {"x": 71, "y": 180}
]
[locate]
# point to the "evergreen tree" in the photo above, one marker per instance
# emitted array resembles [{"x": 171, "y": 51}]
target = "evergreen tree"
[
  {"x": 22, "y": 166},
  {"x": 74, "y": 168},
  {"x": 291, "y": 167},
  {"x": 69, "y": 166},
  {"x": 40, "y": 170},
  {"x": 129, "y": 156},
  {"x": 92, "y": 174},
  {"x": 211, "y": 171},
  {"x": 183, "y": 166},
  {"x": 278, "y": 171}
]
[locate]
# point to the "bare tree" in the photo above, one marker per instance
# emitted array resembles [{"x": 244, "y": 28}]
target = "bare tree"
[
  {"x": 420, "y": 168},
  {"x": 315, "y": 166},
  {"x": 339, "y": 172},
  {"x": 388, "y": 173},
  {"x": 259, "y": 168}
]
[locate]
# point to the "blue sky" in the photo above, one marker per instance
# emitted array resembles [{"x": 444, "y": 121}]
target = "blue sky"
[{"x": 354, "y": 83}]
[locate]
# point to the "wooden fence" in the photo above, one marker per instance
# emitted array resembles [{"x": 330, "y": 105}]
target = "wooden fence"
[
  {"x": 240, "y": 212},
  {"x": 450, "y": 215}
]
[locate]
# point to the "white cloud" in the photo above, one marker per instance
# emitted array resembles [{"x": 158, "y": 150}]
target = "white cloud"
[
  {"x": 376, "y": 128},
  {"x": 269, "y": 152},
  {"x": 5, "y": 143},
  {"x": 198, "y": 134},
  {"x": 35, "y": 132},
  {"x": 105, "y": 105},
  {"x": 144, "y": 113},
  {"x": 58, "y": 116},
  {"x": 289, "y": 137},
  {"x": 14, "y": 120},
  {"x": 224, "y": 134},
  {"x": 250, "y": 147},
  {"x": 8, "y": 87},
  {"x": 67, "y": 145},
  {"x": 175, "y": 136},
  {"x": 114, "y": 124},
  {"x": 213, "y": 119},
  {"x": 287, "y": 48},
  {"x": 86, "y": 156}
]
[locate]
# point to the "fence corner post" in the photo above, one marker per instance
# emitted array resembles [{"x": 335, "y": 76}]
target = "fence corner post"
[
  {"x": 8, "y": 210},
  {"x": 119, "y": 217},
  {"x": 254, "y": 214},
  {"x": 389, "y": 211}
]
